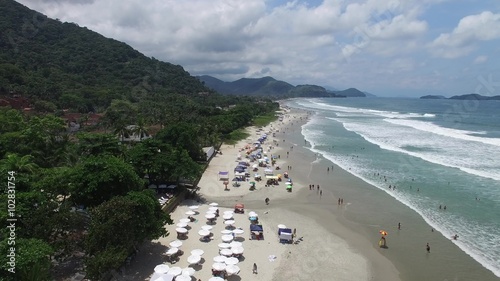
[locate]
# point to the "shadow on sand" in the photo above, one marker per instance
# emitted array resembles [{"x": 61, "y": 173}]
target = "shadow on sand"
[{"x": 142, "y": 266}]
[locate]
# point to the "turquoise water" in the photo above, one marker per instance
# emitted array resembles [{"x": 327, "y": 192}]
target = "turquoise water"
[{"x": 436, "y": 152}]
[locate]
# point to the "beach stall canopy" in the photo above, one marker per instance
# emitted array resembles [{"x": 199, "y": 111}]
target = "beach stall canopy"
[
  {"x": 223, "y": 175},
  {"x": 268, "y": 171},
  {"x": 239, "y": 174},
  {"x": 285, "y": 235},
  {"x": 256, "y": 227}
]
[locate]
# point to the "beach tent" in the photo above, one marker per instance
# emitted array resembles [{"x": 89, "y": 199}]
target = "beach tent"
[
  {"x": 285, "y": 235},
  {"x": 223, "y": 175},
  {"x": 256, "y": 232},
  {"x": 268, "y": 171}
]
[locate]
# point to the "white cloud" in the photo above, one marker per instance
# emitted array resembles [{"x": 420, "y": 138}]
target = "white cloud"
[
  {"x": 470, "y": 30},
  {"x": 480, "y": 59},
  {"x": 333, "y": 41}
]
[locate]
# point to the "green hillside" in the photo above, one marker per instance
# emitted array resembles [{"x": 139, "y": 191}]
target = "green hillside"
[
  {"x": 266, "y": 87},
  {"x": 89, "y": 129},
  {"x": 63, "y": 63}
]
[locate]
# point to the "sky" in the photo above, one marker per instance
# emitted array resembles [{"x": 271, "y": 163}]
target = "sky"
[{"x": 403, "y": 48}]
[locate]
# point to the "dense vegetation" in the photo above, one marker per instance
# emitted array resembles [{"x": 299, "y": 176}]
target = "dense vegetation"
[{"x": 86, "y": 191}]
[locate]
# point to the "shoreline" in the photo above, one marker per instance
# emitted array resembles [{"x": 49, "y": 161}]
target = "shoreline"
[
  {"x": 341, "y": 258},
  {"x": 371, "y": 209},
  {"x": 339, "y": 241}
]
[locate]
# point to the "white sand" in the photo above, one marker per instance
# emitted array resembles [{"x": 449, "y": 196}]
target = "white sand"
[{"x": 321, "y": 255}]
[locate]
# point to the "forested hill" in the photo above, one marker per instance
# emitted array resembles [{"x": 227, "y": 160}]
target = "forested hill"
[
  {"x": 270, "y": 87},
  {"x": 46, "y": 58}
]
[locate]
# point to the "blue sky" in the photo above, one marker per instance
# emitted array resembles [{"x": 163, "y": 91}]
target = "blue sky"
[{"x": 404, "y": 48}]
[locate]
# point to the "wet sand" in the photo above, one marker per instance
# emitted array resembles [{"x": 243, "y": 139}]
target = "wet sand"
[{"x": 366, "y": 210}]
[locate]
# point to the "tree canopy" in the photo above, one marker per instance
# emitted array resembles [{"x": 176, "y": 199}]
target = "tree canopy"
[
  {"x": 70, "y": 74},
  {"x": 99, "y": 178}
]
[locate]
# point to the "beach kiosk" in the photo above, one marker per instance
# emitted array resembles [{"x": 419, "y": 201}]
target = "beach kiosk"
[
  {"x": 285, "y": 235},
  {"x": 223, "y": 175},
  {"x": 256, "y": 232}
]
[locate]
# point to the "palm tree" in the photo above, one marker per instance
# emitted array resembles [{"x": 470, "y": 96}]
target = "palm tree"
[
  {"x": 140, "y": 128},
  {"x": 14, "y": 162},
  {"x": 122, "y": 130}
]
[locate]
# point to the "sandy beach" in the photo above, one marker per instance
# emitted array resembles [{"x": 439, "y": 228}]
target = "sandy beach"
[
  {"x": 319, "y": 253},
  {"x": 337, "y": 241}
]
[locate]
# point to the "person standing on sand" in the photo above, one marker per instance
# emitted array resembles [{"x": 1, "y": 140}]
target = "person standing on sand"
[
  {"x": 320, "y": 193},
  {"x": 399, "y": 225},
  {"x": 254, "y": 268},
  {"x": 428, "y": 248}
]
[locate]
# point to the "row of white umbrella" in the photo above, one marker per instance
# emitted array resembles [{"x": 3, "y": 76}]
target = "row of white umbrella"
[
  {"x": 223, "y": 262},
  {"x": 165, "y": 273}
]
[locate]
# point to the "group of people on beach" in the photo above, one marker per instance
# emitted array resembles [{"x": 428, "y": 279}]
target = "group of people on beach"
[{"x": 312, "y": 187}]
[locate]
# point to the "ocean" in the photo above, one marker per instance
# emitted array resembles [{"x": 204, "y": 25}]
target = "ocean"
[{"x": 441, "y": 158}]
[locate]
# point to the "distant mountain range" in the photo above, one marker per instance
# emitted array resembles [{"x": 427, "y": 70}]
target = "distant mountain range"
[
  {"x": 270, "y": 87},
  {"x": 463, "y": 97}
]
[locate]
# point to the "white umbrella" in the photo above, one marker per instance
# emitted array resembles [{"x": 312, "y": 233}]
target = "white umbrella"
[
  {"x": 190, "y": 213},
  {"x": 210, "y": 216},
  {"x": 207, "y": 227},
  {"x": 172, "y": 251},
  {"x": 224, "y": 245},
  {"x": 181, "y": 224},
  {"x": 232, "y": 269},
  {"x": 281, "y": 226},
  {"x": 204, "y": 232},
  {"x": 197, "y": 252},
  {"x": 215, "y": 278},
  {"x": 229, "y": 222},
  {"x": 194, "y": 207},
  {"x": 232, "y": 261},
  {"x": 220, "y": 259},
  {"x": 164, "y": 277},
  {"x": 255, "y": 166},
  {"x": 213, "y": 204},
  {"x": 213, "y": 209},
  {"x": 226, "y": 252},
  {"x": 252, "y": 214},
  {"x": 181, "y": 230},
  {"x": 193, "y": 259},
  {"x": 236, "y": 244},
  {"x": 237, "y": 250},
  {"x": 183, "y": 278},
  {"x": 211, "y": 212},
  {"x": 218, "y": 266},
  {"x": 185, "y": 220},
  {"x": 227, "y": 238},
  {"x": 227, "y": 216},
  {"x": 175, "y": 244},
  {"x": 225, "y": 232},
  {"x": 188, "y": 271},
  {"x": 228, "y": 212},
  {"x": 161, "y": 268},
  {"x": 238, "y": 231},
  {"x": 175, "y": 271}
]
